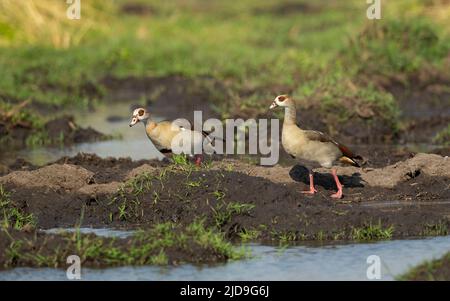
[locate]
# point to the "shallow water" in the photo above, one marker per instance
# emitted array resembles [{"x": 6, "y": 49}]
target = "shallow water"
[
  {"x": 133, "y": 143},
  {"x": 332, "y": 262},
  {"x": 98, "y": 232}
]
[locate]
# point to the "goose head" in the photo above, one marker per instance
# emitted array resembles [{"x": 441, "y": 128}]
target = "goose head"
[
  {"x": 140, "y": 114},
  {"x": 281, "y": 101}
]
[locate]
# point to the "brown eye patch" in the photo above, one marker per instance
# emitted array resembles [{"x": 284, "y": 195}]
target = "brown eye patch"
[
  {"x": 281, "y": 98},
  {"x": 141, "y": 112}
]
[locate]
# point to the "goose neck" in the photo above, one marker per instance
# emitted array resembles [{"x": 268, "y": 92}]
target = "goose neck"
[{"x": 290, "y": 114}]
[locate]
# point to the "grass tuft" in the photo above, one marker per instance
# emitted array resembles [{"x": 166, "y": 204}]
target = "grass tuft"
[
  {"x": 11, "y": 216},
  {"x": 443, "y": 137},
  {"x": 223, "y": 213},
  {"x": 372, "y": 232}
]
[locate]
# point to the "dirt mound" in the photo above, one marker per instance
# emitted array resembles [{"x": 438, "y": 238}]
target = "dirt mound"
[
  {"x": 392, "y": 175},
  {"x": 143, "y": 169},
  {"x": 108, "y": 169},
  {"x": 429, "y": 164},
  {"x": 65, "y": 130},
  {"x": 56, "y": 177},
  {"x": 99, "y": 189}
]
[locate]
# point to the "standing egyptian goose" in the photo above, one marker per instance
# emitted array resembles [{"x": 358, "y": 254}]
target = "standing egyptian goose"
[
  {"x": 311, "y": 145},
  {"x": 161, "y": 134}
]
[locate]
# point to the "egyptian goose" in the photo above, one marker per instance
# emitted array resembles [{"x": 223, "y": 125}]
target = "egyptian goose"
[
  {"x": 311, "y": 145},
  {"x": 162, "y": 133}
]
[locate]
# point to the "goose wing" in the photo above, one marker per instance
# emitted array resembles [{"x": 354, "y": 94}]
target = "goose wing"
[{"x": 347, "y": 155}]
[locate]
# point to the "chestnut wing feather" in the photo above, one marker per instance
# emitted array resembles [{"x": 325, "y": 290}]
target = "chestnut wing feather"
[{"x": 319, "y": 136}]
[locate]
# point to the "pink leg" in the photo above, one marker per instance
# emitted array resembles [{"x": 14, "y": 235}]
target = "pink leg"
[
  {"x": 311, "y": 190},
  {"x": 198, "y": 159},
  {"x": 338, "y": 194}
]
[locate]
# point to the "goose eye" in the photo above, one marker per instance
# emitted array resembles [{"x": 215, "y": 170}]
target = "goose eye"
[
  {"x": 281, "y": 98},
  {"x": 141, "y": 112}
]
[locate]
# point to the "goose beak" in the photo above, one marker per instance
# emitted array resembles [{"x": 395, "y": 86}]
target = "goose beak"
[
  {"x": 273, "y": 105},
  {"x": 134, "y": 120}
]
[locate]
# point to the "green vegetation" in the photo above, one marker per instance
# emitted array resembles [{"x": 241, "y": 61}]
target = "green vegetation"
[
  {"x": 249, "y": 235},
  {"x": 287, "y": 236},
  {"x": 11, "y": 216},
  {"x": 155, "y": 246},
  {"x": 16, "y": 116},
  {"x": 437, "y": 229},
  {"x": 372, "y": 232},
  {"x": 180, "y": 159},
  {"x": 398, "y": 46},
  {"x": 432, "y": 270},
  {"x": 223, "y": 213},
  {"x": 326, "y": 54},
  {"x": 443, "y": 137}
]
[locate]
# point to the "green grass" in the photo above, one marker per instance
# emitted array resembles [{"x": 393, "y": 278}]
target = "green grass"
[
  {"x": 152, "y": 246},
  {"x": 249, "y": 235},
  {"x": 443, "y": 136},
  {"x": 288, "y": 47},
  {"x": 372, "y": 232},
  {"x": 256, "y": 51},
  {"x": 437, "y": 229},
  {"x": 180, "y": 160},
  {"x": 210, "y": 238},
  {"x": 430, "y": 270},
  {"x": 223, "y": 213},
  {"x": 219, "y": 195},
  {"x": 399, "y": 45},
  {"x": 11, "y": 216},
  {"x": 287, "y": 236}
]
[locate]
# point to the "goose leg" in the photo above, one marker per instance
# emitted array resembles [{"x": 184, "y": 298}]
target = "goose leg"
[
  {"x": 198, "y": 159},
  {"x": 311, "y": 190},
  {"x": 338, "y": 194}
]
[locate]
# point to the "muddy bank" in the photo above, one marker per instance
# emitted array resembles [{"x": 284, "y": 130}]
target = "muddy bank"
[
  {"x": 409, "y": 198},
  {"x": 172, "y": 96},
  {"x": 424, "y": 103},
  {"x": 163, "y": 244},
  {"x": 67, "y": 128},
  {"x": 433, "y": 270},
  {"x": 57, "y": 131}
]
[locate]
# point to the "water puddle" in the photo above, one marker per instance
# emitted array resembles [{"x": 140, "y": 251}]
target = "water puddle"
[
  {"x": 103, "y": 232},
  {"x": 113, "y": 119}
]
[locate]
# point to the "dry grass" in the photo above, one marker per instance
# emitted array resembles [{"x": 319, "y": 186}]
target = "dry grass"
[{"x": 45, "y": 21}]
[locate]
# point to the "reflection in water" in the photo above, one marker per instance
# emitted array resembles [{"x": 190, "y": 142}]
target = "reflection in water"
[{"x": 337, "y": 262}]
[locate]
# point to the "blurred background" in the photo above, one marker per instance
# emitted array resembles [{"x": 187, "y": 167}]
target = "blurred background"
[{"x": 367, "y": 82}]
